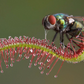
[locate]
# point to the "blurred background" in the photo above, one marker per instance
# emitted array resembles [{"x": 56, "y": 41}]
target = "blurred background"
[{"x": 24, "y": 17}]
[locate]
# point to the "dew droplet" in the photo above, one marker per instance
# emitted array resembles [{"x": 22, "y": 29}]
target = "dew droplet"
[
  {"x": 34, "y": 55},
  {"x": 42, "y": 72},
  {"x": 38, "y": 62},
  {"x": 18, "y": 60},
  {"x": 48, "y": 67},
  {"x": 27, "y": 57},
  {"x": 7, "y": 65},
  {"x": 35, "y": 64},
  {"x": 55, "y": 76},
  {"x": 41, "y": 63},
  {"x": 12, "y": 59},
  {"x": 29, "y": 66},
  {"x": 30, "y": 63},
  {"x": 47, "y": 73},
  {"x": 40, "y": 68},
  {"x": 31, "y": 50},
  {"x": 2, "y": 71},
  {"x": 5, "y": 60},
  {"x": 48, "y": 60},
  {"x": 20, "y": 55},
  {"x": 11, "y": 65}
]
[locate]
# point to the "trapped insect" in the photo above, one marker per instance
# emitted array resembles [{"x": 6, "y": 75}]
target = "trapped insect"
[{"x": 61, "y": 23}]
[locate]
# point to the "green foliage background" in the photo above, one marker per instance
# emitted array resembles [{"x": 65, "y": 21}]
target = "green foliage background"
[{"x": 24, "y": 17}]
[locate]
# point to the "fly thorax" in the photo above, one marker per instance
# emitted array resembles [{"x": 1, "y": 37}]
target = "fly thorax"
[
  {"x": 71, "y": 20},
  {"x": 63, "y": 23}
]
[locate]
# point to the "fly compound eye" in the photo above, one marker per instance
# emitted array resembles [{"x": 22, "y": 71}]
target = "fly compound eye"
[{"x": 52, "y": 19}]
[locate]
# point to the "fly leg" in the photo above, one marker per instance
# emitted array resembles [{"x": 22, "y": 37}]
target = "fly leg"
[
  {"x": 54, "y": 38},
  {"x": 69, "y": 40},
  {"x": 62, "y": 39},
  {"x": 72, "y": 41},
  {"x": 81, "y": 39},
  {"x": 73, "y": 32},
  {"x": 67, "y": 36}
]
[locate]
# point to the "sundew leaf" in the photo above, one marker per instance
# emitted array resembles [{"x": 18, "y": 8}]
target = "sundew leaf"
[{"x": 16, "y": 49}]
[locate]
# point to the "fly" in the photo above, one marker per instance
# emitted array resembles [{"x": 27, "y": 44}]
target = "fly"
[{"x": 63, "y": 24}]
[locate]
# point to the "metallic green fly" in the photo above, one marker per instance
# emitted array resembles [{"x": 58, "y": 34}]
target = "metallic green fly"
[{"x": 61, "y": 23}]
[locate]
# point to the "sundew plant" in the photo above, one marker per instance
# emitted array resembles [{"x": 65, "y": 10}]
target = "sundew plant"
[{"x": 45, "y": 55}]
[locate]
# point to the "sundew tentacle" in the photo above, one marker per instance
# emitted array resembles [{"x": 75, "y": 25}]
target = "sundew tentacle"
[{"x": 16, "y": 49}]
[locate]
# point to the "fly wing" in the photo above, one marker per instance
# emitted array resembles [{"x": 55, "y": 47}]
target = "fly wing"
[{"x": 79, "y": 18}]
